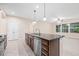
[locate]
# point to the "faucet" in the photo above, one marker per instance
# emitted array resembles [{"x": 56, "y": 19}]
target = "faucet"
[{"x": 37, "y": 30}]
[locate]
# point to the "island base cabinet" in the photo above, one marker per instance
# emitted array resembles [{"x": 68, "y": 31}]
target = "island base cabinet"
[
  {"x": 50, "y": 48},
  {"x": 54, "y": 48},
  {"x": 32, "y": 43},
  {"x": 27, "y": 39},
  {"x": 42, "y": 46}
]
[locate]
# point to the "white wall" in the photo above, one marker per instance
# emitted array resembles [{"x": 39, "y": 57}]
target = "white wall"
[
  {"x": 44, "y": 27},
  {"x": 2, "y": 26},
  {"x": 69, "y": 44},
  {"x": 23, "y": 25}
]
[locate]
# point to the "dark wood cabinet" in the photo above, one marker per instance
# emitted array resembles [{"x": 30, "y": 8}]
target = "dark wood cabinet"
[
  {"x": 31, "y": 38},
  {"x": 44, "y": 47},
  {"x": 49, "y": 47},
  {"x": 54, "y": 47},
  {"x": 27, "y": 38},
  {"x": 29, "y": 41}
]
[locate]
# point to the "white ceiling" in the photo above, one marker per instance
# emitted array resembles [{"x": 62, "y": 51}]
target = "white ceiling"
[{"x": 53, "y": 10}]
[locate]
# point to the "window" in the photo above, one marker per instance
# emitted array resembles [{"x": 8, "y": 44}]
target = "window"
[
  {"x": 64, "y": 27},
  {"x": 58, "y": 28},
  {"x": 74, "y": 27}
]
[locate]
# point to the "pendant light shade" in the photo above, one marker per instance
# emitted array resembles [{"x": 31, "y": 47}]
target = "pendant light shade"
[{"x": 44, "y": 19}]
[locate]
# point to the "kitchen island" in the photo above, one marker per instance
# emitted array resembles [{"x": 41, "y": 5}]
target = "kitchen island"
[{"x": 44, "y": 44}]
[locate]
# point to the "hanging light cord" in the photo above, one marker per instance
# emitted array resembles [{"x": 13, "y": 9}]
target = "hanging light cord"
[{"x": 44, "y": 10}]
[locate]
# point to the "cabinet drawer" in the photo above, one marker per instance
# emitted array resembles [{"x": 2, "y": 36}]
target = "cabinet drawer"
[
  {"x": 45, "y": 42},
  {"x": 44, "y": 52},
  {"x": 46, "y": 48}
]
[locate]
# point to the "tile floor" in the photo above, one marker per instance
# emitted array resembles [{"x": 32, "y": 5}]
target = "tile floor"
[{"x": 17, "y": 48}]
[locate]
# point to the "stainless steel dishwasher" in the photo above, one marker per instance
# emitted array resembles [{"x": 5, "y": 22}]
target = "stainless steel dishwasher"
[
  {"x": 37, "y": 42},
  {"x": 37, "y": 46}
]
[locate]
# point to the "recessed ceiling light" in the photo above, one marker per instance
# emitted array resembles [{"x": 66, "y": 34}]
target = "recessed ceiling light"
[
  {"x": 54, "y": 19},
  {"x": 12, "y": 13},
  {"x": 37, "y": 6},
  {"x": 34, "y": 22}
]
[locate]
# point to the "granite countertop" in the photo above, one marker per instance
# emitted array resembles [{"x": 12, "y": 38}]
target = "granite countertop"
[{"x": 47, "y": 36}]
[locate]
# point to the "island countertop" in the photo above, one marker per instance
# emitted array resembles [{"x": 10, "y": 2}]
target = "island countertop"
[{"x": 47, "y": 36}]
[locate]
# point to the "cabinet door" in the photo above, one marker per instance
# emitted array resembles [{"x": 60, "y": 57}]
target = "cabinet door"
[
  {"x": 32, "y": 43},
  {"x": 45, "y": 47},
  {"x": 54, "y": 47},
  {"x": 27, "y": 38}
]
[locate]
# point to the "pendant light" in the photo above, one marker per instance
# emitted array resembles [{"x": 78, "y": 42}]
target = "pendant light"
[
  {"x": 34, "y": 16},
  {"x": 44, "y": 19}
]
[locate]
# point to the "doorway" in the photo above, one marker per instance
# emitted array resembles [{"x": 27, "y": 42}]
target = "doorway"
[{"x": 12, "y": 29}]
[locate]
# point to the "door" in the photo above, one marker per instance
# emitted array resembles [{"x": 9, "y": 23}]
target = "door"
[{"x": 12, "y": 31}]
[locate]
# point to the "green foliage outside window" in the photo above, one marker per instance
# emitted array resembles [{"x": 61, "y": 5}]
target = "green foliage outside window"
[
  {"x": 74, "y": 27},
  {"x": 57, "y": 28},
  {"x": 64, "y": 28}
]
